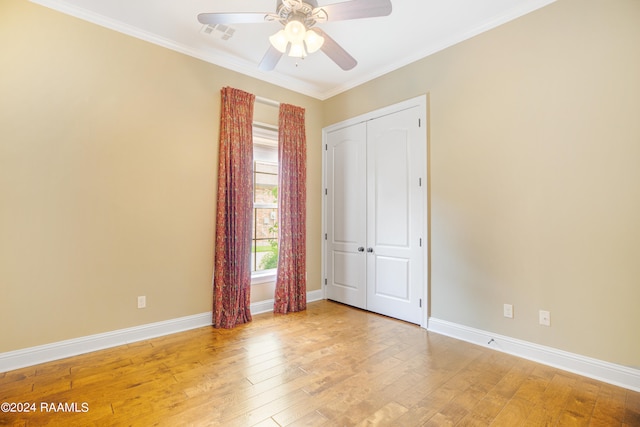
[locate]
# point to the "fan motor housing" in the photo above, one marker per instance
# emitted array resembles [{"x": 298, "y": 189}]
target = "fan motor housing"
[{"x": 303, "y": 11}]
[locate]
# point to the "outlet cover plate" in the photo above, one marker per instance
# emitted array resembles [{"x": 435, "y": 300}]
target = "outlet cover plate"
[
  {"x": 545, "y": 318},
  {"x": 508, "y": 311}
]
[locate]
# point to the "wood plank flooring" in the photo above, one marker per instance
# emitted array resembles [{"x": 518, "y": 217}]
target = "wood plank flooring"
[{"x": 331, "y": 365}]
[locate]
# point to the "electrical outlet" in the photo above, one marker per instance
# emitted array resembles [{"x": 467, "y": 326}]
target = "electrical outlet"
[
  {"x": 142, "y": 302},
  {"x": 508, "y": 311},
  {"x": 545, "y": 318}
]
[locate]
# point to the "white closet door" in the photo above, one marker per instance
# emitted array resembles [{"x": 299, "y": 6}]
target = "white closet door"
[
  {"x": 346, "y": 174},
  {"x": 395, "y": 217}
]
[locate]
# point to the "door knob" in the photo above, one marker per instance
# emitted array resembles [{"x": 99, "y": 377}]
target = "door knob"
[
  {"x": 361, "y": 249},
  {"x": 370, "y": 250}
]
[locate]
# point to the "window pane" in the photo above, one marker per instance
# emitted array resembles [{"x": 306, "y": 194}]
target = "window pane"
[
  {"x": 265, "y": 243},
  {"x": 266, "y": 223},
  {"x": 267, "y": 255},
  {"x": 266, "y": 188}
]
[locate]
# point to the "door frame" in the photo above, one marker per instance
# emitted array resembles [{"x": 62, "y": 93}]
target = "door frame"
[{"x": 422, "y": 103}]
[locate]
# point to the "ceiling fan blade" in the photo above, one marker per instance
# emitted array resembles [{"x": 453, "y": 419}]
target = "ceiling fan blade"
[
  {"x": 270, "y": 59},
  {"x": 356, "y": 9},
  {"x": 334, "y": 51},
  {"x": 232, "y": 18}
]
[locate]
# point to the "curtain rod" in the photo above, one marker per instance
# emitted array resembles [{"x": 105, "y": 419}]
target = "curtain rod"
[{"x": 267, "y": 101}]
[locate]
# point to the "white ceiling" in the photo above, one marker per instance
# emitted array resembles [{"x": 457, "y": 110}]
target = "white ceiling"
[{"x": 414, "y": 30}]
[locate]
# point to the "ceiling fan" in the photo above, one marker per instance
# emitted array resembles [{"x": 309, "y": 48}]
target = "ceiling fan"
[{"x": 299, "y": 36}]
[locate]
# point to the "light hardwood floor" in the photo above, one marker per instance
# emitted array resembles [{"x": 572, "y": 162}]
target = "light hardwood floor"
[{"x": 331, "y": 365}]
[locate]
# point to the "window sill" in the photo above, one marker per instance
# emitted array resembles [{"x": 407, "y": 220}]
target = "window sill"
[{"x": 264, "y": 277}]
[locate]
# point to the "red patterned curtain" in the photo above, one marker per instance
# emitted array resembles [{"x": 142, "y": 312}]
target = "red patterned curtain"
[
  {"x": 232, "y": 269},
  {"x": 291, "y": 284}
]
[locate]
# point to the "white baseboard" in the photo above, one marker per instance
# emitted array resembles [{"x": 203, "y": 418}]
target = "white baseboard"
[
  {"x": 259, "y": 307},
  {"x": 266, "y": 306},
  {"x": 593, "y": 368},
  {"x": 59, "y": 350}
]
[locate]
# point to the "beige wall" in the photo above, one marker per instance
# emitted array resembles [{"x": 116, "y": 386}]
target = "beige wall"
[
  {"x": 535, "y": 175},
  {"x": 108, "y": 160},
  {"x": 108, "y": 152}
]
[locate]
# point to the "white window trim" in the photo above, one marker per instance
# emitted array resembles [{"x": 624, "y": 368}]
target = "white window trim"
[
  {"x": 264, "y": 276},
  {"x": 265, "y": 135}
]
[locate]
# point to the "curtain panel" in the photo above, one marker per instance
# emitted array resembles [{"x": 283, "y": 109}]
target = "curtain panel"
[
  {"x": 232, "y": 269},
  {"x": 291, "y": 286}
]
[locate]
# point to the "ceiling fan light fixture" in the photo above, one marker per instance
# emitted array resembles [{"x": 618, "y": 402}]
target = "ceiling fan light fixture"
[
  {"x": 279, "y": 41},
  {"x": 299, "y": 36},
  {"x": 313, "y": 41}
]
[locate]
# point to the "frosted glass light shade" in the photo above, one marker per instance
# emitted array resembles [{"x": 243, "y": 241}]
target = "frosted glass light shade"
[
  {"x": 279, "y": 41},
  {"x": 313, "y": 41},
  {"x": 297, "y": 50},
  {"x": 295, "y": 31}
]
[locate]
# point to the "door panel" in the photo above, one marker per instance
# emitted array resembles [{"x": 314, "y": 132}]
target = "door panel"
[
  {"x": 346, "y": 157},
  {"x": 394, "y": 215},
  {"x": 391, "y": 197},
  {"x": 346, "y": 270},
  {"x": 346, "y": 176},
  {"x": 392, "y": 278}
]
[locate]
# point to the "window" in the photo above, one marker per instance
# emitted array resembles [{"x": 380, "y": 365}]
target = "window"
[{"x": 264, "y": 241}]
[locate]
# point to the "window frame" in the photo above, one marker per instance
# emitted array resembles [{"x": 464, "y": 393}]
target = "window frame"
[{"x": 264, "y": 136}]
